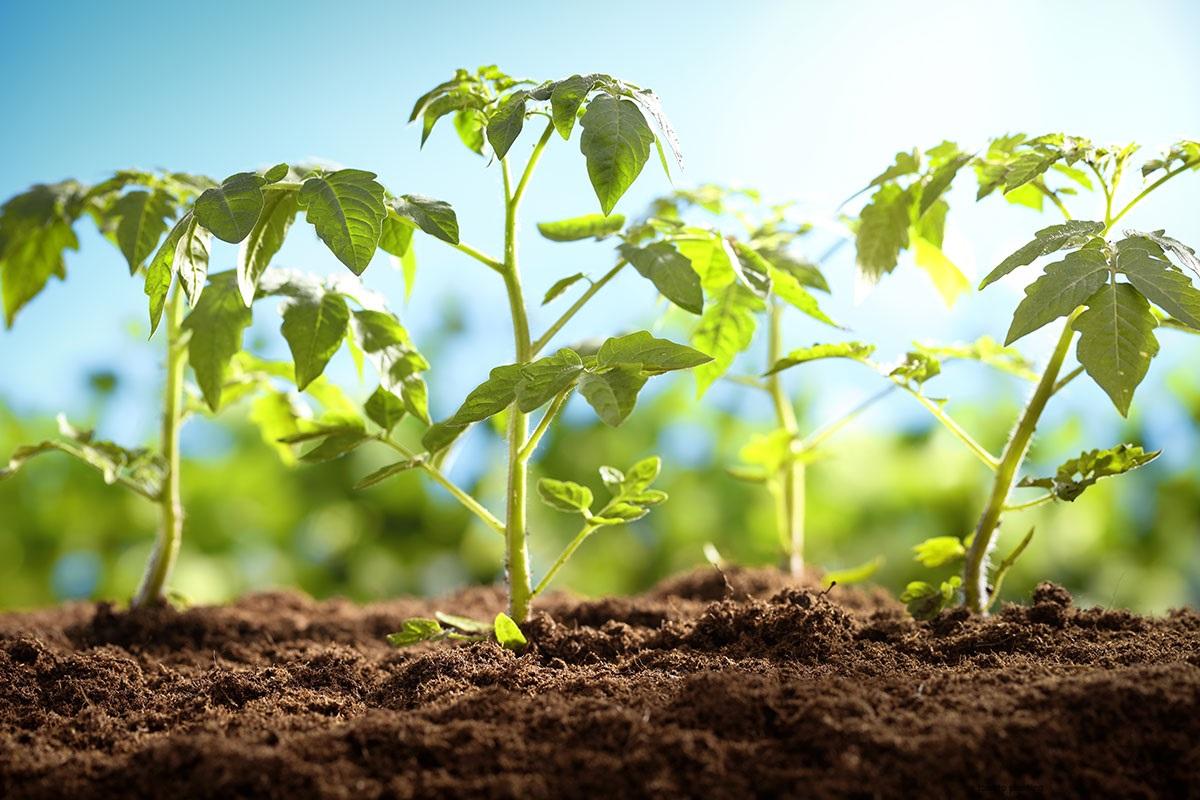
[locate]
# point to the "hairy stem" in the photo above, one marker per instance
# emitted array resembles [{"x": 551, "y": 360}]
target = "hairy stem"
[
  {"x": 553, "y": 330},
  {"x": 790, "y": 486},
  {"x": 166, "y": 546},
  {"x": 975, "y": 570}
]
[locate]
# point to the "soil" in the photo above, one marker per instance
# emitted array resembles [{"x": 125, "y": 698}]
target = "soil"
[{"x": 762, "y": 688}]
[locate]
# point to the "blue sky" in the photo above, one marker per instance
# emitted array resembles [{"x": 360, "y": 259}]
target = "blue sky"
[{"x": 804, "y": 101}]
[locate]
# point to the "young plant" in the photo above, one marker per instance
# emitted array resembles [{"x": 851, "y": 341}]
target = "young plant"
[{"x": 1107, "y": 287}]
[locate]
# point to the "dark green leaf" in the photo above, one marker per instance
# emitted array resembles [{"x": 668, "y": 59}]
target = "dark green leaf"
[
  {"x": 613, "y": 394},
  {"x": 434, "y": 217},
  {"x": 383, "y": 473},
  {"x": 565, "y": 99},
  {"x": 616, "y": 143},
  {"x": 231, "y": 210},
  {"x": 216, "y": 325},
  {"x": 314, "y": 326},
  {"x": 491, "y": 397},
  {"x": 1185, "y": 254},
  {"x": 669, "y": 271},
  {"x": 1147, "y": 268},
  {"x": 1116, "y": 341},
  {"x": 141, "y": 220},
  {"x": 925, "y": 600},
  {"x": 546, "y": 377},
  {"x": 649, "y": 353},
  {"x": 1065, "y": 286},
  {"x": 588, "y": 226},
  {"x": 264, "y": 240},
  {"x": 335, "y": 446},
  {"x": 506, "y": 122},
  {"x": 346, "y": 209},
  {"x": 1070, "y": 234}
]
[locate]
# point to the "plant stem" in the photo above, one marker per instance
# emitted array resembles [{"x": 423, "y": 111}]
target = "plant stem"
[
  {"x": 470, "y": 503},
  {"x": 951, "y": 425},
  {"x": 1070, "y": 376},
  {"x": 1048, "y": 497},
  {"x": 815, "y": 439},
  {"x": 490, "y": 262},
  {"x": 544, "y": 424},
  {"x": 166, "y": 546},
  {"x": 791, "y": 478},
  {"x": 566, "y": 554},
  {"x": 975, "y": 570},
  {"x": 550, "y": 333},
  {"x": 1142, "y": 194}
]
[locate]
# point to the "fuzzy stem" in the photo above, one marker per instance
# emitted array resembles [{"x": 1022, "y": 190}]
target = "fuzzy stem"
[
  {"x": 166, "y": 546},
  {"x": 791, "y": 478},
  {"x": 975, "y": 570}
]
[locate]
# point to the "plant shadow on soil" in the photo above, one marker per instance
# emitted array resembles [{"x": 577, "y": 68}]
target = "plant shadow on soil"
[{"x": 691, "y": 690}]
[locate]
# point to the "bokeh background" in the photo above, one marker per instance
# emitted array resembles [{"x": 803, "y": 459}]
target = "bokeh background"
[{"x": 803, "y": 101}]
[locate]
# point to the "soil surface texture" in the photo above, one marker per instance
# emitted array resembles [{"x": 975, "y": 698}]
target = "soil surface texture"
[{"x": 752, "y": 687}]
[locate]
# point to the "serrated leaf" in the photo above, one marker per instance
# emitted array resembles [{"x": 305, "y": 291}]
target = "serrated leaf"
[
  {"x": 669, "y": 271},
  {"x": 565, "y": 495},
  {"x": 346, "y": 209},
  {"x": 232, "y": 209},
  {"x": 588, "y": 226},
  {"x": 34, "y": 234},
  {"x": 314, "y": 326},
  {"x": 508, "y": 633},
  {"x": 383, "y": 473},
  {"x": 725, "y": 329},
  {"x": 925, "y": 601},
  {"x": 264, "y": 240},
  {"x": 1146, "y": 266},
  {"x": 616, "y": 143},
  {"x": 561, "y": 285},
  {"x": 1064, "y": 286},
  {"x": 543, "y": 379},
  {"x": 882, "y": 231},
  {"x": 161, "y": 271},
  {"x": 505, "y": 123},
  {"x": 938, "y": 551},
  {"x": 856, "y": 351},
  {"x": 1077, "y": 474},
  {"x": 565, "y": 99},
  {"x": 613, "y": 394},
  {"x": 1185, "y": 254},
  {"x": 414, "y": 631},
  {"x": 491, "y": 397},
  {"x": 789, "y": 289},
  {"x": 141, "y": 220},
  {"x": 1116, "y": 341},
  {"x": 216, "y": 324},
  {"x": 434, "y": 217},
  {"x": 648, "y": 352},
  {"x": 1070, "y": 234}
]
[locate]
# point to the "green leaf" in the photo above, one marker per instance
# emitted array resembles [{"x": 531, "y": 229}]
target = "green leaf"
[
  {"x": 616, "y": 143},
  {"x": 904, "y": 164},
  {"x": 669, "y": 271},
  {"x": 383, "y": 473},
  {"x": 1065, "y": 286},
  {"x": 939, "y": 181},
  {"x": 925, "y": 601},
  {"x": 882, "y": 231},
  {"x": 565, "y": 495},
  {"x": 336, "y": 445},
  {"x": 416, "y": 630},
  {"x": 191, "y": 260},
  {"x": 491, "y": 397},
  {"x": 161, "y": 271},
  {"x": 770, "y": 451},
  {"x": 639, "y": 477},
  {"x": 985, "y": 350},
  {"x": 508, "y": 634},
  {"x": 856, "y": 351},
  {"x": 1116, "y": 341},
  {"x": 725, "y": 330},
  {"x": 276, "y": 415},
  {"x": 464, "y": 624},
  {"x": 712, "y": 260},
  {"x": 416, "y": 397},
  {"x": 231, "y": 210},
  {"x": 1146, "y": 266},
  {"x": 595, "y": 226},
  {"x": 264, "y": 240},
  {"x": 469, "y": 125},
  {"x": 651, "y": 354},
  {"x": 1027, "y": 167},
  {"x": 859, "y": 573},
  {"x": 918, "y": 366},
  {"x": 789, "y": 289},
  {"x": 565, "y": 99},
  {"x": 752, "y": 269},
  {"x": 561, "y": 285},
  {"x": 457, "y": 101},
  {"x": 1075, "y": 475},
  {"x": 314, "y": 325},
  {"x": 947, "y": 278},
  {"x": 1185, "y": 254},
  {"x": 541, "y": 380},
  {"x": 1070, "y": 234},
  {"x": 506, "y": 122},
  {"x": 34, "y": 234},
  {"x": 346, "y": 209},
  {"x": 613, "y": 394},
  {"x": 216, "y": 324},
  {"x": 939, "y": 550},
  {"x": 141, "y": 221},
  {"x": 619, "y": 513},
  {"x": 434, "y": 217}
]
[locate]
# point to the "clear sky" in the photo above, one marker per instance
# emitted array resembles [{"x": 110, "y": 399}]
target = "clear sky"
[{"x": 804, "y": 100}]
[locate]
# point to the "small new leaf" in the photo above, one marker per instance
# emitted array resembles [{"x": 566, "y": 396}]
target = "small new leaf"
[
  {"x": 1075, "y": 475},
  {"x": 508, "y": 634},
  {"x": 416, "y": 630},
  {"x": 939, "y": 550},
  {"x": 565, "y": 496}
]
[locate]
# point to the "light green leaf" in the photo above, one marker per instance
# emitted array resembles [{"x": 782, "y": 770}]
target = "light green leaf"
[
  {"x": 985, "y": 350},
  {"x": 231, "y": 210},
  {"x": 508, "y": 634},
  {"x": 414, "y": 631},
  {"x": 725, "y": 330},
  {"x": 613, "y": 394},
  {"x": 1116, "y": 341},
  {"x": 565, "y": 99},
  {"x": 216, "y": 324},
  {"x": 416, "y": 397},
  {"x": 264, "y": 240},
  {"x": 651, "y": 354},
  {"x": 346, "y": 209},
  {"x": 469, "y": 124},
  {"x": 1065, "y": 286},
  {"x": 789, "y": 289},
  {"x": 619, "y": 513},
  {"x": 277, "y": 416},
  {"x": 770, "y": 451},
  {"x": 669, "y": 271},
  {"x": 639, "y": 477},
  {"x": 616, "y": 143},
  {"x": 314, "y": 326},
  {"x": 546, "y": 377},
  {"x": 565, "y": 495},
  {"x": 882, "y": 231},
  {"x": 1146, "y": 266},
  {"x": 161, "y": 271},
  {"x": 939, "y": 550},
  {"x": 856, "y": 351},
  {"x": 434, "y": 217},
  {"x": 712, "y": 260},
  {"x": 752, "y": 269},
  {"x": 595, "y": 226},
  {"x": 191, "y": 260},
  {"x": 904, "y": 164},
  {"x": 1075, "y": 475},
  {"x": 34, "y": 234},
  {"x": 918, "y": 366},
  {"x": 141, "y": 219},
  {"x": 561, "y": 285},
  {"x": 947, "y": 278},
  {"x": 859, "y": 573},
  {"x": 464, "y": 624},
  {"x": 1070, "y": 234}
]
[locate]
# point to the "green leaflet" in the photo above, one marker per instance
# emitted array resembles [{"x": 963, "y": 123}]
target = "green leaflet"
[
  {"x": 1116, "y": 341},
  {"x": 468, "y": 123},
  {"x": 161, "y": 271},
  {"x": 264, "y": 240},
  {"x": 652, "y": 354},
  {"x": 141, "y": 219},
  {"x": 904, "y": 164},
  {"x": 275, "y": 415},
  {"x": 882, "y": 231},
  {"x": 985, "y": 350},
  {"x": 216, "y": 323},
  {"x": 396, "y": 237},
  {"x": 751, "y": 268},
  {"x": 616, "y": 143},
  {"x": 588, "y": 226},
  {"x": 1075, "y": 475},
  {"x": 335, "y": 445},
  {"x": 565, "y": 496},
  {"x": 506, "y": 122},
  {"x": 508, "y": 634},
  {"x": 938, "y": 551},
  {"x": 487, "y": 399},
  {"x": 789, "y": 289},
  {"x": 565, "y": 99},
  {"x": 1185, "y": 254},
  {"x": 231, "y": 210},
  {"x": 939, "y": 181},
  {"x": 434, "y": 217},
  {"x": 669, "y": 271},
  {"x": 561, "y": 285},
  {"x": 416, "y": 630},
  {"x": 383, "y": 473},
  {"x": 454, "y": 102},
  {"x": 314, "y": 325},
  {"x": 346, "y": 209},
  {"x": 1064, "y": 286},
  {"x": 191, "y": 259},
  {"x": 1146, "y": 266},
  {"x": 546, "y": 377},
  {"x": 917, "y": 367},
  {"x": 1073, "y": 233},
  {"x": 712, "y": 259},
  {"x": 35, "y": 231},
  {"x": 725, "y": 330},
  {"x": 390, "y": 350},
  {"x": 859, "y": 573},
  {"x": 613, "y": 394},
  {"x": 925, "y": 601},
  {"x": 856, "y": 351}
]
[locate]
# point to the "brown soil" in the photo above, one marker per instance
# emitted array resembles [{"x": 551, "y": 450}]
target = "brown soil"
[{"x": 687, "y": 691}]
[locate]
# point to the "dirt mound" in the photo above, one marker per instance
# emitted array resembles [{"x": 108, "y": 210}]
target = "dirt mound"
[{"x": 742, "y": 685}]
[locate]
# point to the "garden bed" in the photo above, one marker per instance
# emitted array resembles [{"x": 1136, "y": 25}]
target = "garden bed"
[{"x": 690, "y": 690}]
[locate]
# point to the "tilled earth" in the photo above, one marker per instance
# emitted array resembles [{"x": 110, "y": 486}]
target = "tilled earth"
[{"x": 756, "y": 688}]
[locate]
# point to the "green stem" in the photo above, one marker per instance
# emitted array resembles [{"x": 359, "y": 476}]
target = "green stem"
[
  {"x": 975, "y": 570},
  {"x": 534, "y": 438},
  {"x": 490, "y": 262},
  {"x": 587, "y": 530},
  {"x": 1070, "y": 376},
  {"x": 815, "y": 439},
  {"x": 1048, "y": 497},
  {"x": 1058, "y": 203},
  {"x": 166, "y": 546},
  {"x": 553, "y": 330},
  {"x": 1142, "y": 194},
  {"x": 470, "y": 503},
  {"x": 951, "y": 425},
  {"x": 515, "y": 198},
  {"x": 791, "y": 483}
]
